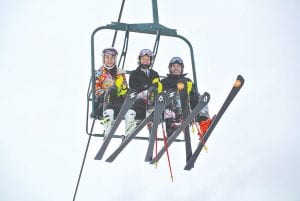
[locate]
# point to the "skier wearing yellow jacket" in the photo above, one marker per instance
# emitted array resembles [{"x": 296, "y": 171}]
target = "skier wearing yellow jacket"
[{"x": 111, "y": 89}]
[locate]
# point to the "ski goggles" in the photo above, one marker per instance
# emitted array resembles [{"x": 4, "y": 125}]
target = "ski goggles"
[
  {"x": 175, "y": 60},
  {"x": 110, "y": 51},
  {"x": 144, "y": 52}
]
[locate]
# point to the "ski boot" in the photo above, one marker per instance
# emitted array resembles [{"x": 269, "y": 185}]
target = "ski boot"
[
  {"x": 130, "y": 122},
  {"x": 108, "y": 119},
  {"x": 204, "y": 124}
]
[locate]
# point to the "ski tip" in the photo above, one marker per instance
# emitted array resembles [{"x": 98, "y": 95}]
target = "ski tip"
[
  {"x": 100, "y": 153},
  {"x": 109, "y": 160},
  {"x": 98, "y": 157},
  {"x": 156, "y": 164},
  {"x": 148, "y": 159},
  {"x": 153, "y": 162},
  {"x": 239, "y": 81},
  {"x": 240, "y": 77},
  {"x": 206, "y": 96},
  {"x": 189, "y": 166}
]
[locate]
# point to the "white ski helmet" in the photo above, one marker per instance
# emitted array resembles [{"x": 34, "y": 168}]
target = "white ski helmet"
[
  {"x": 144, "y": 52},
  {"x": 109, "y": 51}
]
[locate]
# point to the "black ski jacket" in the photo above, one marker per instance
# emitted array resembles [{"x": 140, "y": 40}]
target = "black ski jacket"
[
  {"x": 139, "y": 80},
  {"x": 170, "y": 82}
]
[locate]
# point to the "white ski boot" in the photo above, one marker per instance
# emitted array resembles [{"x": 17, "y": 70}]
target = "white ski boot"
[
  {"x": 130, "y": 122},
  {"x": 108, "y": 118}
]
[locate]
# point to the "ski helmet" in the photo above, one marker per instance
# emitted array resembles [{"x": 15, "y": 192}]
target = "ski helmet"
[
  {"x": 176, "y": 60},
  {"x": 109, "y": 51},
  {"x": 142, "y": 53}
]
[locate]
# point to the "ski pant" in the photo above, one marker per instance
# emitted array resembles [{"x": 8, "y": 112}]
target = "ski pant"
[
  {"x": 98, "y": 107},
  {"x": 140, "y": 107},
  {"x": 112, "y": 101},
  {"x": 173, "y": 115},
  {"x": 144, "y": 102}
]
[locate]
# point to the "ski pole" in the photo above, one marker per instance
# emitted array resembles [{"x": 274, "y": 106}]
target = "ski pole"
[{"x": 166, "y": 145}]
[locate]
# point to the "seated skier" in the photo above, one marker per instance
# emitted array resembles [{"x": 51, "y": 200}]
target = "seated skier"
[
  {"x": 147, "y": 81},
  {"x": 111, "y": 89},
  {"x": 173, "y": 113}
]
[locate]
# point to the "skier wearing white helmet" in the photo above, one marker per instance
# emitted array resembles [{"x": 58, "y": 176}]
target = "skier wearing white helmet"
[
  {"x": 147, "y": 80},
  {"x": 111, "y": 89}
]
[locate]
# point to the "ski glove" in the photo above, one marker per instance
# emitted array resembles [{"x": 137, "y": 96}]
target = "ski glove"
[
  {"x": 158, "y": 83},
  {"x": 189, "y": 86},
  {"x": 121, "y": 85}
]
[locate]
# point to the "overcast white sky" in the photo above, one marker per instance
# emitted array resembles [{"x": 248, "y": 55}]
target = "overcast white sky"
[{"x": 45, "y": 69}]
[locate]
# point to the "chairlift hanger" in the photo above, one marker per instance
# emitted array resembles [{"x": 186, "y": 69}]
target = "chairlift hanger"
[{"x": 154, "y": 28}]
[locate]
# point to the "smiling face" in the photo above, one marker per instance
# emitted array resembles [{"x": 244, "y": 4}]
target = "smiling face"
[
  {"x": 109, "y": 60},
  {"x": 175, "y": 69},
  {"x": 145, "y": 60}
]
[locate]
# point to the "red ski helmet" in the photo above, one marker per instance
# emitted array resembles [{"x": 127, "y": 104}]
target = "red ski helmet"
[{"x": 176, "y": 60}]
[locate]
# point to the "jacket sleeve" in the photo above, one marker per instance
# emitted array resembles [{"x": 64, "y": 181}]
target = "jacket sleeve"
[
  {"x": 156, "y": 80},
  {"x": 133, "y": 83},
  {"x": 99, "y": 82},
  {"x": 194, "y": 96},
  {"x": 121, "y": 84}
]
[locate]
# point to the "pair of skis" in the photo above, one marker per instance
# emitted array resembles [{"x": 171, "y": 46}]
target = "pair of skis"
[
  {"x": 239, "y": 82},
  {"x": 162, "y": 100},
  {"x": 203, "y": 101},
  {"x": 128, "y": 102}
]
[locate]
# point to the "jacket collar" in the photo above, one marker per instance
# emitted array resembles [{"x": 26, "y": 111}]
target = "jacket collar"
[{"x": 176, "y": 76}]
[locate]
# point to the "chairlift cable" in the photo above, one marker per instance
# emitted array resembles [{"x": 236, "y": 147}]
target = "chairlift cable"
[
  {"x": 119, "y": 19},
  {"x": 155, "y": 47},
  {"x": 83, "y": 161}
]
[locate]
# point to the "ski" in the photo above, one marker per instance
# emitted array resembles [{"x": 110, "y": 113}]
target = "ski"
[
  {"x": 161, "y": 102},
  {"x": 234, "y": 91},
  {"x": 185, "y": 107},
  {"x": 203, "y": 101},
  {"x": 128, "y": 102},
  {"x": 129, "y": 137},
  {"x": 139, "y": 127}
]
